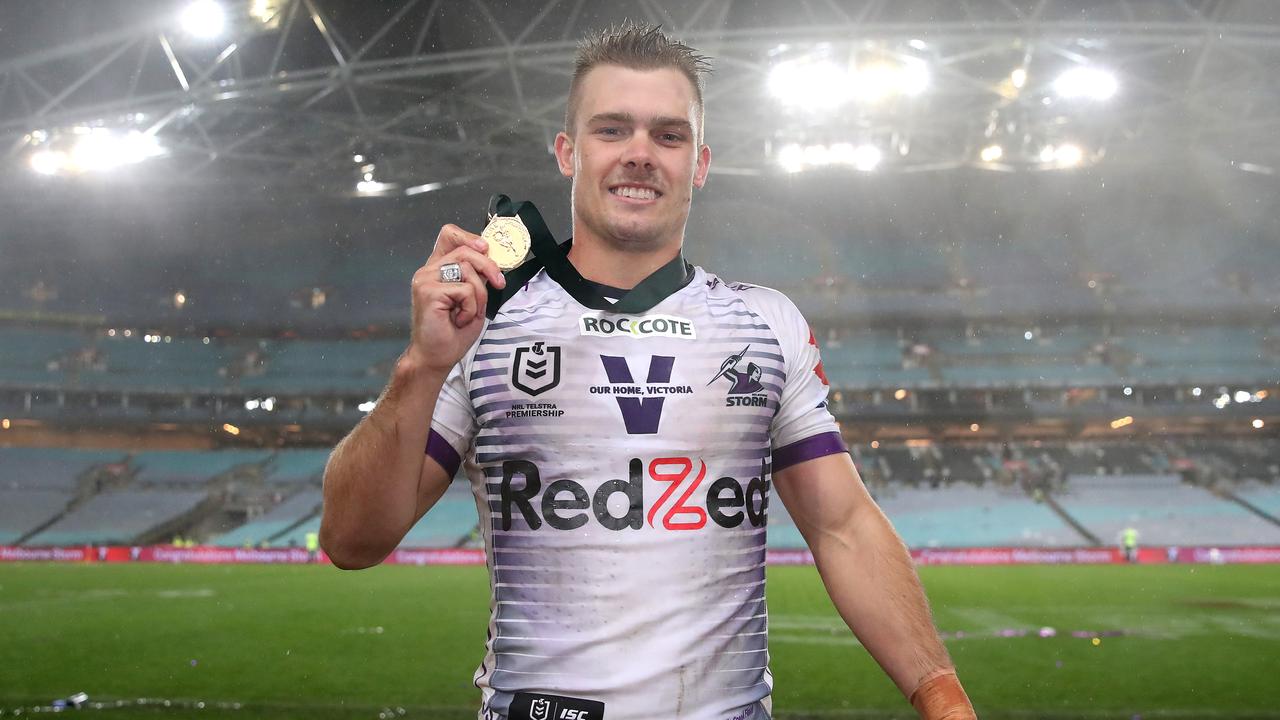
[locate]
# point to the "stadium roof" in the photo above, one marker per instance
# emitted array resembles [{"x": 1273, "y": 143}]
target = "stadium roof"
[{"x": 434, "y": 93}]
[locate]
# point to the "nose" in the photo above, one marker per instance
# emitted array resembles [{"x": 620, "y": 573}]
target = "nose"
[{"x": 638, "y": 152}]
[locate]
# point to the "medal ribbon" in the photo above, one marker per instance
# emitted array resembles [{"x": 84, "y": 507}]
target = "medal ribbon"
[{"x": 554, "y": 258}]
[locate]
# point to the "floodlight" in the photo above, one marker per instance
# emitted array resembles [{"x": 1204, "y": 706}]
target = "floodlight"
[
  {"x": 1018, "y": 77},
  {"x": 866, "y": 157},
  {"x": 1258, "y": 424},
  {"x": 1068, "y": 154},
  {"x": 791, "y": 158},
  {"x": 204, "y": 19},
  {"x": 812, "y": 84},
  {"x": 913, "y": 78},
  {"x": 991, "y": 153},
  {"x": 815, "y": 155},
  {"x": 48, "y": 162},
  {"x": 1086, "y": 82}
]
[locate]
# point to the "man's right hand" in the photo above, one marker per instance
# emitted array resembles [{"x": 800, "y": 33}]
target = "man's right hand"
[{"x": 448, "y": 316}]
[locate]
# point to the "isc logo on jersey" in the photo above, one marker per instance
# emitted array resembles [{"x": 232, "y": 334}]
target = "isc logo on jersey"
[
  {"x": 687, "y": 503},
  {"x": 670, "y": 326}
]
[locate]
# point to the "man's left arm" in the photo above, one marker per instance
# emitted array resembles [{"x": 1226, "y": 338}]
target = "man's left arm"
[{"x": 872, "y": 581}]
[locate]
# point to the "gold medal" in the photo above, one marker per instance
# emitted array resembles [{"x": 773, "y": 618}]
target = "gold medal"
[{"x": 508, "y": 240}]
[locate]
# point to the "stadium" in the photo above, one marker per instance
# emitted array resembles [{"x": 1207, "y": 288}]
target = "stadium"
[{"x": 1037, "y": 243}]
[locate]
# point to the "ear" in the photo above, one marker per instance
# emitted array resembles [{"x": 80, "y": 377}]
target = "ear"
[
  {"x": 564, "y": 154},
  {"x": 704, "y": 167}
]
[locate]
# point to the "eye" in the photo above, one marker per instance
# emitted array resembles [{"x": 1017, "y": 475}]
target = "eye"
[
  {"x": 609, "y": 131},
  {"x": 671, "y": 137}
]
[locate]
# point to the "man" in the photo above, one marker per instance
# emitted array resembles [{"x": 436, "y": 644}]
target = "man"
[
  {"x": 622, "y": 428},
  {"x": 1129, "y": 539}
]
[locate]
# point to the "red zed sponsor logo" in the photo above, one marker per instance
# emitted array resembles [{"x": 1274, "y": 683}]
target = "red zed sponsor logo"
[
  {"x": 675, "y": 471},
  {"x": 687, "y": 500}
]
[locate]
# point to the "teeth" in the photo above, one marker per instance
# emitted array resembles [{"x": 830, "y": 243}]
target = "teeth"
[{"x": 635, "y": 192}]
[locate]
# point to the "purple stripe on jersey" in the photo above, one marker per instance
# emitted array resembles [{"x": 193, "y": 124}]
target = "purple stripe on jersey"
[
  {"x": 441, "y": 451},
  {"x": 812, "y": 447},
  {"x": 487, "y": 372},
  {"x": 492, "y": 356},
  {"x": 487, "y": 390}
]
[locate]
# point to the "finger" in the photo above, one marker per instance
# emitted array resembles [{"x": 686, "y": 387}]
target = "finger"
[
  {"x": 452, "y": 237},
  {"x": 460, "y": 298},
  {"x": 469, "y": 297},
  {"x": 482, "y": 263}
]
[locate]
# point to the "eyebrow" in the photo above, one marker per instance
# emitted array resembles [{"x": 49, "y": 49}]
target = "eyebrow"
[{"x": 657, "y": 121}]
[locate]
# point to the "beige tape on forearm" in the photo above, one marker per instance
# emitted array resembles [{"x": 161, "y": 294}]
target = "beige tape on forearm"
[{"x": 939, "y": 696}]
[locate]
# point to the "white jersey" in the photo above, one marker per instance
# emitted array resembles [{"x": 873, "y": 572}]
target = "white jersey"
[{"x": 621, "y": 465}]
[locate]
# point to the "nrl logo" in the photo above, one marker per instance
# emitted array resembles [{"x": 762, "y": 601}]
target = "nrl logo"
[{"x": 536, "y": 368}]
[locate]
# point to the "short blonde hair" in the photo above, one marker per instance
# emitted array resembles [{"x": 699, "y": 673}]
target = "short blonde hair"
[{"x": 638, "y": 47}]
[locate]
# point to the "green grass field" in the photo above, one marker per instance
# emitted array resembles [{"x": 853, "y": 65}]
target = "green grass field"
[{"x": 315, "y": 642}]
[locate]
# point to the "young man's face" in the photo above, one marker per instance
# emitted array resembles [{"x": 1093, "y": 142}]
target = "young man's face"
[{"x": 634, "y": 156}]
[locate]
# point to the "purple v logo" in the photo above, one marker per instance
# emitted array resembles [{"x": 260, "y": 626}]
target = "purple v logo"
[{"x": 640, "y": 413}]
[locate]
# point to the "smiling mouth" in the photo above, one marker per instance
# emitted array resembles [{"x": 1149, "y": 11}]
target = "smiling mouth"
[{"x": 633, "y": 192}]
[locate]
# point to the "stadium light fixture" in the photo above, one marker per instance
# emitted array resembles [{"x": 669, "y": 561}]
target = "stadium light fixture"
[
  {"x": 809, "y": 84},
  {"x": 975, "y": 427},
  {"x": 204, "y": 19},
  {"x": 1121, "y": 422},
  {"x": 1018, "y": 77},
  {"x": 1128, "y": 391},
  {"x": 818, "y": 84},
  {"x": 1258, "y": 424},
  {"x": 1195, "y": 392},
  {"x": 230, "y": 429},
  {"x": 4, "y": 424},
  {"x": 876, "y": 81},
  {"x": 93, "y": 149},
  {"x": 1066, "y": 155},
  {"x": 1087, "y": 83},
  {"x": 991, "y": 153},
  {"x": 48, "y": 162},
  {"x": 791, "y": 158},
  {"x": 1243, "y": 396},
  {"x": 367, "y": 406},
  {"x": 866, "y": 157}
]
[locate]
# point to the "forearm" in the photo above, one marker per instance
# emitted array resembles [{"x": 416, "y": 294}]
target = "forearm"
[
  {"x": 872, "y": 581},
  {"x": 371, "y": 480}
]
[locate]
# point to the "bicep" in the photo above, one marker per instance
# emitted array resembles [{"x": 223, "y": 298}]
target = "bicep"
[
  {"x": 432, "y": 483},
  {"x": 824, "y": 496}
]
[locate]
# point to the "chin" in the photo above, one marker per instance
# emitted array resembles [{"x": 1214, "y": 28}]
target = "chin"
[{"x": 635, "y": 238}]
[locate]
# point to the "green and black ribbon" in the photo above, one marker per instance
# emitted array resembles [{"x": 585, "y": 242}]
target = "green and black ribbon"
[{"x": 554, "y": 258}]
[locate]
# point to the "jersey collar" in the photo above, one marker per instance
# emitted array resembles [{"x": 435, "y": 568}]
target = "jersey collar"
[
  {"x": 553, "y": 258},
  {"x": 658, "y": 286}
]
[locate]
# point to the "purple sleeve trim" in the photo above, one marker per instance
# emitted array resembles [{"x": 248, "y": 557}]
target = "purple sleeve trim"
[
  {"x": 828, "y": 443},
  {"x": 441, "y": 451}
]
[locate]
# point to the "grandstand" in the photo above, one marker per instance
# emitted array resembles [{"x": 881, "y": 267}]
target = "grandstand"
[{"x": 1046, "y": 309}]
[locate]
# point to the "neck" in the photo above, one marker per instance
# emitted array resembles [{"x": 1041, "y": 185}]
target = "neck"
[{"x": 597, "y": 262}]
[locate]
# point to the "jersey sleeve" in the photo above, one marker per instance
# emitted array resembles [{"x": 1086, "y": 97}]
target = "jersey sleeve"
[
  {"x": 803, "y": 428},
  {"x": 453, "y": 424}
]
